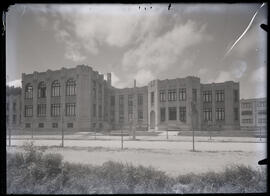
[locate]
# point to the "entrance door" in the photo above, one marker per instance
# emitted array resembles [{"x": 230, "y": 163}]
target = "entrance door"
[{"x": 152, "y": 120}]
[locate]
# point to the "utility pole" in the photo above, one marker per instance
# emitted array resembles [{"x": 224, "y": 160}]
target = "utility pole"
[
  {"x": 32, "y": 134},
  {"x": 62, "y": 127},
  {"x": 9, "y": 135},
  {"x": 193, "y": 110},
  {"x": 122, "y": 139},
  {"x": 134, "y": 115}
]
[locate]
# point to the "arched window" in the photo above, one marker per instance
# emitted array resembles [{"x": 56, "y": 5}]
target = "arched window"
[
  {"x": 70, "y": 87},
  {"x": 55, "y": 88},
  {"x": 41, "y": 90},
  {"x": 28, "y": 91}
]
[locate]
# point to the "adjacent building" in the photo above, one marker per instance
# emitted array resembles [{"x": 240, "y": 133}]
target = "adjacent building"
[
  {"x": 253, "y": 113},
  {"x": 13, "y": 107},
  {"x": 80, "y": 99}
]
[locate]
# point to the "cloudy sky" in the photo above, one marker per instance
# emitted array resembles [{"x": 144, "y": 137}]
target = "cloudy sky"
[{"x": 142, "y": 42}]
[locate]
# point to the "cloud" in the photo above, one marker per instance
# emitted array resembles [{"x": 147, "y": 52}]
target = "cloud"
[
  {"x": 259, "y": 75},
  {"x": 254, "y": 40},
  {"x": 223, "y": 76},
  {"x": 115, "y": 26},
  {"x": 238, "y": 68},
  {"x": 15, "y": 83},
  {"x": 143, "y": 77},
  {"x": 72, "y": 47},
  {"x": 158, "y": 53}
]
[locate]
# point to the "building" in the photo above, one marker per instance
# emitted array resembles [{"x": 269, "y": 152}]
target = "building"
[
  {"x": 13, "y": 107},
  {"x": 80, "y": 99},
  {"x": 253, "y": 113},
  {"x": 186, "y": 103}
]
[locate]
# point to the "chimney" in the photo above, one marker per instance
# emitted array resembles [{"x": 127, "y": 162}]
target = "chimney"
[
  {"x": 134, "y": 83},
  {"x": 109, "y": 78}
]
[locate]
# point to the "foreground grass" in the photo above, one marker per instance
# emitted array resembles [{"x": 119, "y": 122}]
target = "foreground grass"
[{"x": 35, "y": 172}]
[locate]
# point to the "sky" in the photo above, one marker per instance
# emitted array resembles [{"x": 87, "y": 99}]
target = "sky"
[{"x": 142, "y": 42}]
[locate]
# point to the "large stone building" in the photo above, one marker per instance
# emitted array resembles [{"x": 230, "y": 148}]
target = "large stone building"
[
  {"x": 253, "y": 113},
  {"x": 80, "y": 99}
]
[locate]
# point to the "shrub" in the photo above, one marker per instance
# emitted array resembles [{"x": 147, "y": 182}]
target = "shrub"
[{"x": 33, "y": 172}]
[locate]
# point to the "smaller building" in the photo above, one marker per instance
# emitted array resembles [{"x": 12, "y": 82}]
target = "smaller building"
[
  {"x": 13, "y": 107},
  {"x": 253, "y": 113}
]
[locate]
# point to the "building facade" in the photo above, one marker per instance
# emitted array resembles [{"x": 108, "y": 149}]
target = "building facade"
[
  {"x": 253, "y": 113},
  {"x": 80, "y": 99},
  {"x": 186, "y": 103},
  {"x": 13, "y": 107}
]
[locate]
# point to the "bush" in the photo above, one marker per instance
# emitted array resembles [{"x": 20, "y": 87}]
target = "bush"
[{"x": 33, "y": 172}]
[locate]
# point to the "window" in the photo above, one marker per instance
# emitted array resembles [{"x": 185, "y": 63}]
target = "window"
[
  {"x": 54, "y": 125},
  {"x": 121, "y": 108},
  {"x": 220, "y": 115},
  {"x": 207, "y": 96},
  {"x": 94, "y": 110},
  {"x": 194, "y": 95},
  {"x": 41, "y": 110},
  {"x": 172, "y": 113},
  {"x": 99, "y": 91},
  {"x": 246, "y": 105},
  {"x": 220, "y": 95},
  {"x": 41, "y": 90},
  {"x": 27, "y": 125},
  {"x": 14, "y": 119},
  {"x": 55, "y": 109},
  {"x": 207, "y": 114},
  {"x": 100, "y": 112},
  {"x": 70, "y": 109},
  {"x": 182, "y": 114},
  {"x": 40, "y": 125},
  {"x": 112, "y": 116},
  {"x": 140, "y": 115},
  {"x": 112, "y": 100},
  {"x": 14, "y": 106},
  {"x": 162, "y": 114},
  {"x": 69, "y": 125},
  {"x": 248, "y": 121},
  {"x": 235, "y": 95},
  {"x": 28, "y": 91},
  {"x": 262, "y": 112},
  {"x": 130, "y": 100},
  {"x": 172, "y": 95},
  {"x": 121, "y": 99},
  {"x": 28, "y": 110},
  {"x": 152, "y": 98},
  {"x": 236, "y": 114},
  {"x": 182, "y": 94},
  {"x": 162, "y": 96},
  {"x": 70, "y": 87},
  {"x": 246, "y": 112},
  {"x": 261, "y": 104},
  {"x": 55, "y": 88},
  {"x": 140, "y": 99},
  {"x": 261, "y": 120}
]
